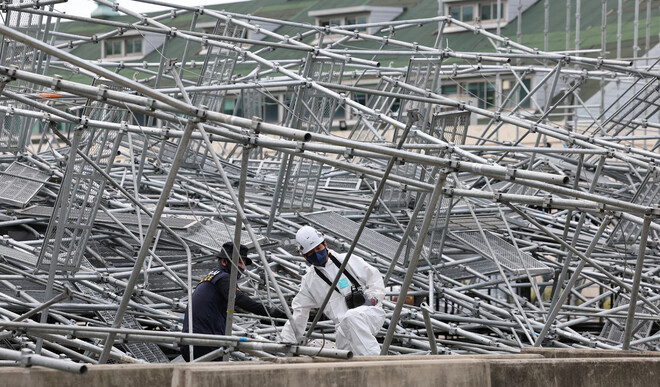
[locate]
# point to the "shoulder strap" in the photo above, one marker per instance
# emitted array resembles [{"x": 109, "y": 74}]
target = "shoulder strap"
[
  {"x": 325, "y": 279},
  {"x": 346, "y": 272}
]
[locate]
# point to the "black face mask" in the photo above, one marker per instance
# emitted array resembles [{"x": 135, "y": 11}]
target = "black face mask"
[
  {"x": 228, "y": 268},
  {"x": 318, "y": 258}
]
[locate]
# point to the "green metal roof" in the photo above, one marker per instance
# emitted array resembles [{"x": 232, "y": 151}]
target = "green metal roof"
[{"x": 533, "y": 24}]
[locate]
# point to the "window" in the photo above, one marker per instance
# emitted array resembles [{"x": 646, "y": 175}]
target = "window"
[
  {"x": 468, "y": 13},
  {"x": 267, "y": 108},
  {"x": 474, "y": 91},
  {"x": 113, "y": 48},
  {"x": 335, "y": 21},
  {"x": 484, "y": 92},
  {"x": 449, "y": 89},
  {"x": 360, "y": 98},
  {"x": 350, "y": 20},
  {"x": 133, "y": 46},
  {"x": 463, "y": 13},
  {"x": 122, "y": 47},
  {"x": 139, "y": 119},
  {"x": 490, "y": 95},
  {"x": 486, "y": 12},
  {"x": 521, "y": 93},
  {"x": 473, "y": 11},
  {"x": 489, "y": 11},
  {"x": 271, "y": 110},
  {"x": 230, "y": 107},
  {"x": 340, "y": 112},
  {"x": 330, "y": 22}
]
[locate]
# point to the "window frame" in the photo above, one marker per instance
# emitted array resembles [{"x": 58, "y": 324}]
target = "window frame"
[
  {"x": 122, "y": 44},
  {"x": 493, "y": 10},
  {"x": 132, "y": 42},
  {"x": 477, "y": 11},
  {"x": 343, "y": 20},
  {"x": 113, "y": 44},
  {"x": 460, "y": 8}
]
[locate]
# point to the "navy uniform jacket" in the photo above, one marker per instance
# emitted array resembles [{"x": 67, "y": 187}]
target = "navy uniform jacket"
[{"x": 209, "y": 302}]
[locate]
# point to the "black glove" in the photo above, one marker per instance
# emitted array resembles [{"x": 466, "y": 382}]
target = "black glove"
[{"x": 276, "y": 313}]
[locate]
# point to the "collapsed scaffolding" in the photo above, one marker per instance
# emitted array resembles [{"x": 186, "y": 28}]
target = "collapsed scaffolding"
[{"x": 486, "y": 245}]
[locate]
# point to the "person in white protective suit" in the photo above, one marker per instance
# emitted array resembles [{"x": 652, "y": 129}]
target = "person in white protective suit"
[{"x": 357, "y": 325}]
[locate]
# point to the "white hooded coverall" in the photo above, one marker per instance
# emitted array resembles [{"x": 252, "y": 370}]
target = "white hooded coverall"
[{"x": 356, "y": 328}]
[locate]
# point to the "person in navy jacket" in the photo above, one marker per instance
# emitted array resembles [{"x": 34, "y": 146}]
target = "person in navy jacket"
[{"x": 209, "y": 301}]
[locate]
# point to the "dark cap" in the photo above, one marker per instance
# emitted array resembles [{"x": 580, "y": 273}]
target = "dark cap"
[{"x": 228, "y": 250}]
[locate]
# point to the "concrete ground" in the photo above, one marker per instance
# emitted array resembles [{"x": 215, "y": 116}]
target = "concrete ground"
[{"x": 537, "y": 367}]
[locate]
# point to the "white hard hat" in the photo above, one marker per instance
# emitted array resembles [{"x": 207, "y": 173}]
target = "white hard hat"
[{"x": 308, "y": 238}]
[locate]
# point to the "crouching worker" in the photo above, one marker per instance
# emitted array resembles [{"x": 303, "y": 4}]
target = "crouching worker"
[
  {"x": 209, "y": 301},
  {"x": 355, "y": 305}
]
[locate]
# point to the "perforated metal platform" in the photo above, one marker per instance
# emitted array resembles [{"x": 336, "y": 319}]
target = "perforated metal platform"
[
  {"x": 614, "y": 328},
  {"x": 509, "y": 257},
  {"x": 459, "y": 272},
  {"x": 19, "y": 183},
  {"x": 211, "y": 235},
  {"x": 347, "y": 229},
  {"x": 467, "y": 222},
  {"x": 102, "y": 217},
  {"x": 340, "y": 183},
  {"x": 12, "y": 253},
  {"x": 149, "y": 352}
]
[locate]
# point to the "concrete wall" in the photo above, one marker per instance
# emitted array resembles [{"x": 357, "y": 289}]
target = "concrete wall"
[{"x": 539, "y": 367}]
